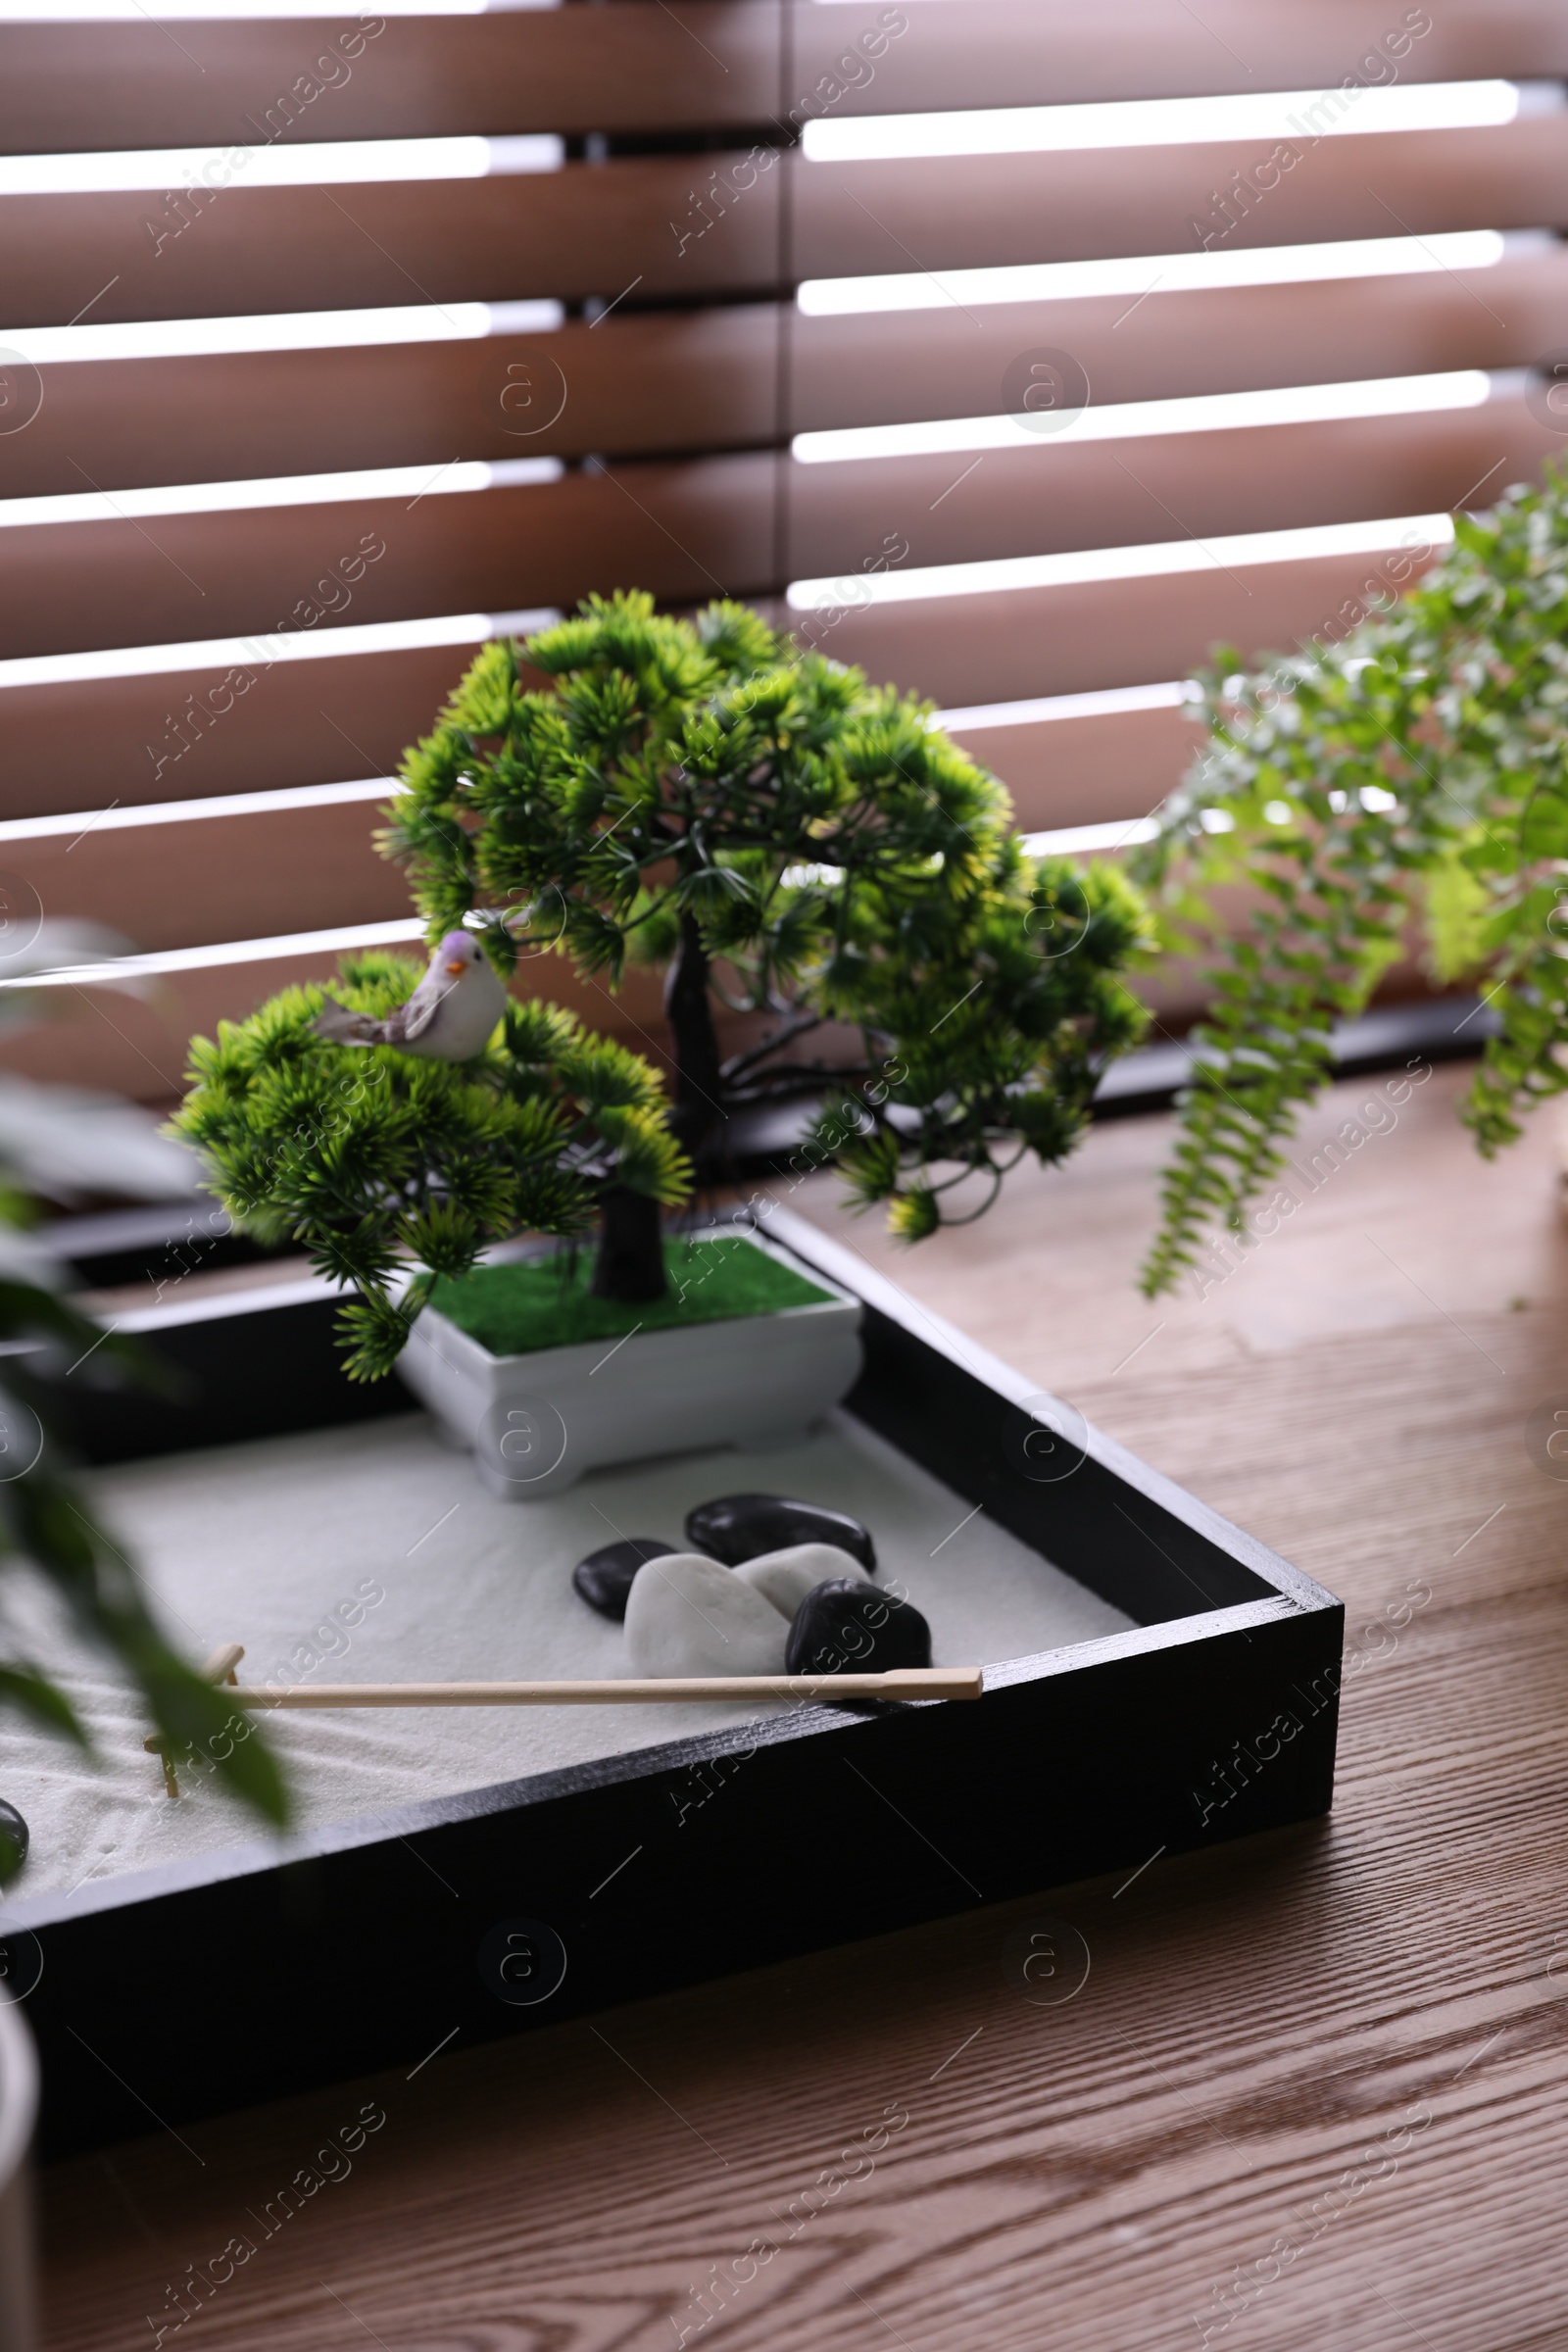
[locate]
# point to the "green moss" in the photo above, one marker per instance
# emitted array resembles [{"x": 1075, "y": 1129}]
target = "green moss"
[{"x": 544, "y": 1302}]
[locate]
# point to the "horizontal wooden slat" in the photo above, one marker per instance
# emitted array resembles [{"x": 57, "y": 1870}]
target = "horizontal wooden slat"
[
  {"x": 1046, "y": 495},
  {"x": 583, "y": 230},
  {"x": 1018, "y": 643},
  {"x": 612, "y": 67},
  {"x": 707, "y": 528},
  {"x": 971, "y": 53},
  {"x": 686, "y": 532},
  {"x": 895, "y": 367},
  {"x": 254, "y": 875},
  {"x": 951, "y": 213},
  {"x": 651, "y": 381},
  {"x": 638, "y": 225},
  {"x": 1085, "y": 771},
  {"x": 84, "y": 746},
  {"x": 711, "y": 62},
  {"x": 710, "y": 379}
]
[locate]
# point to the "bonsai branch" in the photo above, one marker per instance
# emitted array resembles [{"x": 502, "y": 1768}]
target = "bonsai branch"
[{"x": 739, "y": 1064}]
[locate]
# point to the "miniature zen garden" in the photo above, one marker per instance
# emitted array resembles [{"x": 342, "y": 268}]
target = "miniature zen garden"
[{"x": 534, "y": 1223}]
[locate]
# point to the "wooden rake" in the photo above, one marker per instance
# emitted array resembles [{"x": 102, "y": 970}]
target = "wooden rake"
[{"x": 904, "y": 1683}]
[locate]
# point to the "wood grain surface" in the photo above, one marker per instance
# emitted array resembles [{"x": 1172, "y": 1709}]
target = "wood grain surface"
[{"x": 1311, "y": 2092}]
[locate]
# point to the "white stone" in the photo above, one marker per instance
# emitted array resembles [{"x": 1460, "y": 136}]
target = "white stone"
[
  {"x": 688, "y": 1615},
  {"x": 786, "y": 1577}
]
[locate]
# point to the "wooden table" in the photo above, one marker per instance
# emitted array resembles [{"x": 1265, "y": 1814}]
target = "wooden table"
[{"x": 1312, "y": 2092}]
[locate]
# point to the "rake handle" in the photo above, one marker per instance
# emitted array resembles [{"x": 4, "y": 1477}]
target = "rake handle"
[{"x": 905, "y": 1682}]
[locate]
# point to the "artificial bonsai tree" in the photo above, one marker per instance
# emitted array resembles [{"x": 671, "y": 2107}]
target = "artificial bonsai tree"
[
  {"x": 788, "y": 843},
  {"x": 1418, "y": 766},
  {"x": 791, "y": 843}
]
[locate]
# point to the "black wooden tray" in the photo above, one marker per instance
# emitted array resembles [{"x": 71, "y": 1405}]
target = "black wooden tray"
[{"x": 261, "y": 1970}]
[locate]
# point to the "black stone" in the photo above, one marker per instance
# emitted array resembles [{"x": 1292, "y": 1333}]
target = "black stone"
[
  {"x": 846, "y": 1627},
  {"x": 741, "y": 1527},
  {"x": 13, "y": 1834},
  {"x": 604, "y": 1578}
]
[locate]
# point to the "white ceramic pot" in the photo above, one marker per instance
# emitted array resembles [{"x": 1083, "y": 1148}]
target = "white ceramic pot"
[
  {"x": 535, "y": 1423},
  {"x": 19, "y": 2104}
]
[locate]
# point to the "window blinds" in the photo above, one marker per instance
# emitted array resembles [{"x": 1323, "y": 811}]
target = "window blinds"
[{"x": 940, "y": 329}]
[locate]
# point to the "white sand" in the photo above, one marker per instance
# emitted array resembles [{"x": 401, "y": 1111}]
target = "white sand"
[{"x": 263, "y": 1543}]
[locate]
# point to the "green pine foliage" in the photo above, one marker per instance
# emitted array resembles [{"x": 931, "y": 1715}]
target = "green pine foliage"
[
  {"x": 393, "y": 1170},
  {"x": 840, "y": 860},
  {"x": 1420, "y": 764}
]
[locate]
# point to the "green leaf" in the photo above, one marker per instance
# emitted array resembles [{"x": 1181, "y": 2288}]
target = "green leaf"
[
  {"x": 648, "y": 1158},
  {"x": 373, "y": 1332},
  {"x": 444, "y": 1236},
  {"x": 1457, "y": 912},
  {"x": 23, "y": 1687},
  {"x": 871, "y": 1167},
  {"x": 46, "y": 1531},
  {"x": 914, "y": 1216}
]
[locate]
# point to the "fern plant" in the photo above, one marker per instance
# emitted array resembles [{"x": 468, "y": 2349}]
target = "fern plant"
[{"x": 1418, "y": 766}]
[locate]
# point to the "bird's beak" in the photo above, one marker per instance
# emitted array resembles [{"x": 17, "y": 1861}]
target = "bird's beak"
[{"x": 457, "y": 966}]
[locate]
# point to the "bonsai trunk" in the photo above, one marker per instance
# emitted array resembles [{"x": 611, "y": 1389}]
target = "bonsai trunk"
[
  {"x": 630, "y": 1263},
  {"x": 689, "y": 1010}
]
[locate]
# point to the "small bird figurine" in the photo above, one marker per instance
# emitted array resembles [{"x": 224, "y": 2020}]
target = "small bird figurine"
[{"x": 449, "y": 1017}]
